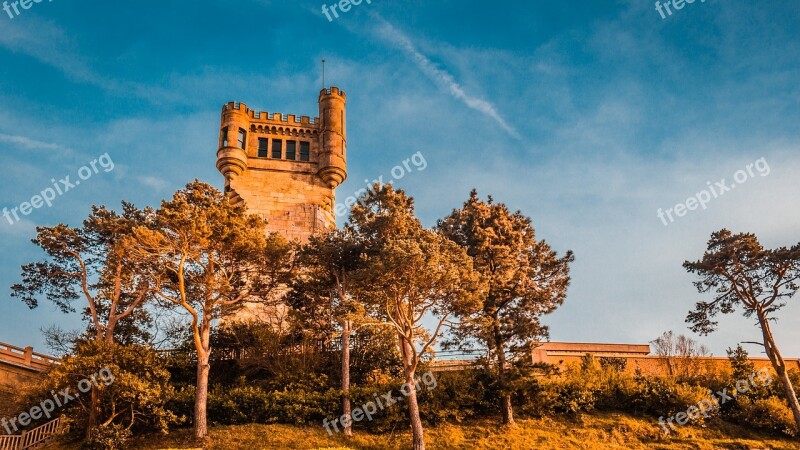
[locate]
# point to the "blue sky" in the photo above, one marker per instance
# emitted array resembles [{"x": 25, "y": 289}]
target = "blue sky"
[{"x": 587, "y": 116}]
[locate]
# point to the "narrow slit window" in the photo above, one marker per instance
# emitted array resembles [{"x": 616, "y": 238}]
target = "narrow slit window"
[
  {"x": 305, "y": 151},
  {"x": 263, "y": 147},
  {"x": 277, "y": 149},
  {"x": 242, "y": 138},
  {"x": 291, "y": 150},
  {"x": 225, "y": 137}
]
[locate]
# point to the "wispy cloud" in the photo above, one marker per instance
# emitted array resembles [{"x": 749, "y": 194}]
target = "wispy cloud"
[
  {"x": 50, "y": 45},
  {"x": 32, "y": 144},
  {"x": 47, "y": 43},
  {"x": 154, "y": 183},
  {"x": 389, "y": 33}
]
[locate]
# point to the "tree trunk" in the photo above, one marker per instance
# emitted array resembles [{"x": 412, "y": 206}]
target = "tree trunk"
[
  {"x": 413, "y": 413},
  {"x": 780, "y": 366},
  {"x": 670, "y": 366},
  {"x": 94, "y": 406},
  {"x": 105, "y": 337},
  {"x": 417, "y": 431},
  {"x": 201, "y": 399},
  {"x": 203, "y": 370},
  {"x": 505, "y": 406},
  {"x": 346, "y": 409}
]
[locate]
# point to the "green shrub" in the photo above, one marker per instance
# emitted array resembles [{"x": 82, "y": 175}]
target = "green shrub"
[
  {"x": 458, "y": 396},
  {"x": 617, "y": 364},
  {"x": 181, "y": 403},
  {"x": 109, "y": 437},
  {"x": 304, "y": 404},
  {"x": 129, "y": 378},
  {"x": 252, "y": 404},
  {"x": 770, "y": 414},
  {"x": 239, "y": 405},
  {"x": 464, "y": 395},
  {"x": 661, "y": 396},
  {"x": 574, "y": 396},
  {"x": 590, "y": 386},
  {"x": 575, "y": 391},
  {"x": 301, "y": 406}
]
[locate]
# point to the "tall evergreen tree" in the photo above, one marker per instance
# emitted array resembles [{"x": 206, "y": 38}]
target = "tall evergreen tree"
[
  {"x": 325, "y": 296},
  {"x": 743, "y": 274},
  {"x": 410, "y": 274},
  {"x": 94, "y": 264},
  {"x": 526, "y": 279},
  {"x": 209, "y": 258}
]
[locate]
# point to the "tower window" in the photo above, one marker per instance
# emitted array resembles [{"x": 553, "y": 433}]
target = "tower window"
[
  {"x": 305, "y": 150},
  {"x": 263, "y": 147},
  {"x": 277, "y": 149},
  {"x": 291, "y": 150},
  {"x": 225, "y": 137},
  {"x": 242, "y": 138}
]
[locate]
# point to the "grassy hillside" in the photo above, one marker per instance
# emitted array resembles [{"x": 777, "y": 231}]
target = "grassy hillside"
[{"x": 597, "y": 431}]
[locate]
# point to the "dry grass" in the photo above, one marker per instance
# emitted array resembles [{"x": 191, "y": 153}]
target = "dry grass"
[{"x": 591, "y": 432}]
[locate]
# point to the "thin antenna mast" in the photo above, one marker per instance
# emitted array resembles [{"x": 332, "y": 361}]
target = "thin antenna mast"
[{"x": 323, "y": 73}]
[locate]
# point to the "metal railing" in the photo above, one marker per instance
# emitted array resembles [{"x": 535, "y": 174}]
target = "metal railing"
[{"x": 10, "y": 442}]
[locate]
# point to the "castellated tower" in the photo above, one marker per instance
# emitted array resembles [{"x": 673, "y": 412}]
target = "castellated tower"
[{"x": 284, "y": 168}]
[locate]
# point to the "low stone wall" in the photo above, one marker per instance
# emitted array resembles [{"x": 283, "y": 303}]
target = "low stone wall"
[
  {"x": 655, "y": 366},
  {"x": 19, "y": 366},
  {"x": 11, "y": 378}
]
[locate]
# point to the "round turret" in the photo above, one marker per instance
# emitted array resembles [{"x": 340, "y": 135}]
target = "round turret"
[
  {"x": 332, "y": 137},
  {"x": 231, "y": 157}
]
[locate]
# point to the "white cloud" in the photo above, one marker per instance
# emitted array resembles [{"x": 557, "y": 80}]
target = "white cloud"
[
  {"x": 394, "y": 36},
  {"x": 26, "y": 142},
  {"x": 50, "y": 45},
  {"x": 155, "y": 183},
  {"x": 47, "y": 43}
]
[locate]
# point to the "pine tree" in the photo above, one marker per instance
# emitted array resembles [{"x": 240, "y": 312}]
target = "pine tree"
[
  {"x": 93, "y": 263},
  {"x": 526, "y": 279},
  {"x": 209, "y": 257},
  {"x": 411, "y": 274},
  {"x": 325, "y": 296},
  {"x": 743, "y": 274}
]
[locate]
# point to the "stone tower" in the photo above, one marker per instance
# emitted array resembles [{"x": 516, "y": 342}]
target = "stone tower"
[{"x": 284, "y": 168}]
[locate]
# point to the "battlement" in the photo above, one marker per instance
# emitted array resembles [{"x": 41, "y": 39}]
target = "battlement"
[
  {"x": 274, "y": 118},
  {"x": 333, "y": 90}
]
